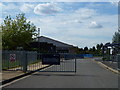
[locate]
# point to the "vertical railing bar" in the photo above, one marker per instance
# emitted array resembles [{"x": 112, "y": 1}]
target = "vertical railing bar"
[{"x": 75, "y": 65}]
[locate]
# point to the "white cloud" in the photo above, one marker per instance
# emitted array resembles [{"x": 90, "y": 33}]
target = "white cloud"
[
  {"x": 58, "y": 0},
  {"x": 76, "y": 28},
  {"x": 26, "y": 8},
  {"x": 114, "y": 3},
  {"x": 47, "y": 9},
  {"x": 8, "y": 9},
  {"x": 9, "y": 6},
  {"x": 71, "y": 21},
  {"x": 1, "y": 4},
  {"x": 95, "y": 25},
  {"x": 85, "y": 13}
]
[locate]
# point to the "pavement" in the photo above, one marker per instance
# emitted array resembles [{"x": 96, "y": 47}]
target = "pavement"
[
  {"x": 16, "y": 72},
  {"x": 113, "y": 66},
  {"x": 89, "y": 75}
]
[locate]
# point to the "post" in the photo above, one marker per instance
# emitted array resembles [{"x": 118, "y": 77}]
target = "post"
[
  {"x": 25, "y": 62},
  {"x": 118, "y": 60},
  {"x": 38, "y": 44},
  {"x": 75, "y": 65},
  {"x": 38, "y": 32}
]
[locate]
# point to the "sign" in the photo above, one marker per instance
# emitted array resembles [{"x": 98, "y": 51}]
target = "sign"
[
  {"x": 52, "y": 59},
  {"x": 12, "y": 57}
]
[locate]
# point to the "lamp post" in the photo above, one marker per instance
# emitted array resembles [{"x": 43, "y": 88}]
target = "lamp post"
[
  {"x": 38, "y": 32},
  {"x": 38, "y": 44},
  {"x": 109, "y": 53}
]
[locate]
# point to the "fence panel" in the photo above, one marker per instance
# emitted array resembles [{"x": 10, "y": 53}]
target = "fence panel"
[
  {"x": 18, "y": 60},
  {"x": 31, "y": 60},
  {"x": 11, "y": 60}
]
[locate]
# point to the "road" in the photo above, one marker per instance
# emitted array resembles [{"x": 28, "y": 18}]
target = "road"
[{"x": 89, "y": 75}]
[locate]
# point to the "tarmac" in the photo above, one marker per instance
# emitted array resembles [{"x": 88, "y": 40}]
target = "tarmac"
[
  {"x": 88, "y": 74},
  {"x": 10, "y": 75}
]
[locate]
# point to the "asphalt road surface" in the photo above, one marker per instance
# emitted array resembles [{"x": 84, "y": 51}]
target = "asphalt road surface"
[{"x": 89, "y": 75}]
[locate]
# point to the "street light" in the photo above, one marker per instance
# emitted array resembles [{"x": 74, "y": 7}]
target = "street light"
[
  {"x": 38, "y": 32},
  {"x": 38, "y": 43}
]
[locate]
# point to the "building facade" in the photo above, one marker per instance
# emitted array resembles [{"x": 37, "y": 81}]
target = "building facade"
[{"x": 60, "y": 46}]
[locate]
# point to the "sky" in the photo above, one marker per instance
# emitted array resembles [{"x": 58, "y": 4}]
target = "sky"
[{"x": 77, "y": 23}]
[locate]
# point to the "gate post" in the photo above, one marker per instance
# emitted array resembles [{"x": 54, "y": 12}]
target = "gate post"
[
  {"x": 75, "y": 64},
  {"x": 118, "y": 60},
  {"x": 25, "y": 62}
]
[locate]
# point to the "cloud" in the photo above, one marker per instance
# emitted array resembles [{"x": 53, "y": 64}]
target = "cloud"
[
  {"x": 58, "y": 0},
  {"x": 47, "y": 9},
  {"x": 72, "y": 21},
  {"x": 77, "y": 27},
  {"x": 1, "y": 5},
  {"x": 95, "y": 25},
  {"x": 114, "y": 3},
  {"x": 26, "y": 8},
  {"x": 85, "y": 13},
  {"x": 9, "y": 6}
]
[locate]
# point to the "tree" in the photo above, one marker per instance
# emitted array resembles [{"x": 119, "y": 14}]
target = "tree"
[
  {"x": 99, "y": 49},
  {"x": 93, "y": 48},
  {"x": 101, "y": 45},
  {"x": 81, "y": 51},
  {"x": 17, "y": 32},
  {"x": 85, "y": 48},
  {"x": 116, "y": 37},
  {"x": 116, "y": 40}
]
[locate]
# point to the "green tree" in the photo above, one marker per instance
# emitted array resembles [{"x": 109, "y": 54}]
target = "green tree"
[
  {"x": 116, "y": 40},
  {"x": 116, "y": 37},
  {"x": 99, "y": 49},
  {"x": 81, "y": 51},
  {"x": 93, "y": 49},
  {"x": 101, "y": 45},
  {"x": 17, "y": 32},
  {"x": 86, "y": 50}
]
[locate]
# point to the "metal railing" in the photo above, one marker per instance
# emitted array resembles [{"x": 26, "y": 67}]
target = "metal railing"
[
  {"x": 31, "y": 60},
  {"x": 19, "y": 60}
]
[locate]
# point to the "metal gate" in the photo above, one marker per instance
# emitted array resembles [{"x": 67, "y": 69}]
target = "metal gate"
[
  {"x": 27, "y": 61},
  {"x": 59, "y": 62}
]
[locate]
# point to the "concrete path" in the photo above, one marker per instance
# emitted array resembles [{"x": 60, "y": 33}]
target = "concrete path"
[
  {"x": 13, "y": 72},
  {"x": 89, "y": 75}
]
